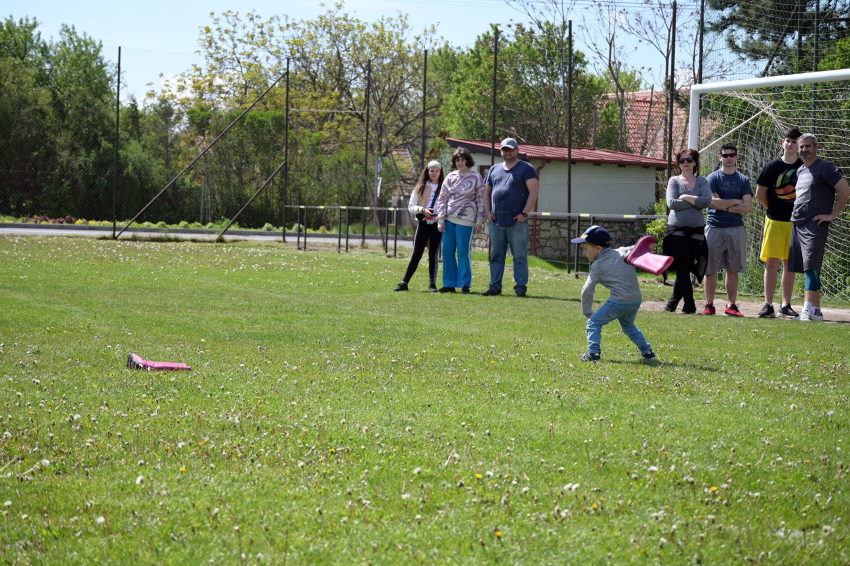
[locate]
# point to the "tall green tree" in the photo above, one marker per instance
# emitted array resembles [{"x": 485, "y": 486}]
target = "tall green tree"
[{"x": 759, "y": 30}]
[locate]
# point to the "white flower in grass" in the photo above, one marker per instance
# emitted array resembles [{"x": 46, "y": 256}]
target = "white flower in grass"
[
  {"x": 100, "y": 520},
  {"x": 7, "y": 504},
  {"x": 652, "y": 469},
  {"x": 140, "y": 480},
  {"x": 525, "y": 490},
  {"x": 405, "y": 496},
  {"x": 45, "y": 463},
  {"x": 417, "y": 470}
]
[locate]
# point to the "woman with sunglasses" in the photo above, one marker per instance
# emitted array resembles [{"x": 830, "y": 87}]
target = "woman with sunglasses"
[{"x": 687, "y": 195}]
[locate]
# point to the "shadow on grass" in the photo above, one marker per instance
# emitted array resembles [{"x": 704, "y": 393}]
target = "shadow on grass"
[{"x": 662, "y": 364}]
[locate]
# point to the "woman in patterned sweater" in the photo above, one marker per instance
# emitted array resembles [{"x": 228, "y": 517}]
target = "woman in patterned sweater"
[{"x": 460, "y": 210}]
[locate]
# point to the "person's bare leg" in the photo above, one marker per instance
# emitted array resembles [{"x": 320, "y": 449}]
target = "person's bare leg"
[
  {"x": 787, "y": 283},
  {"x": 770, "y": 273},
  {"x": 710, "y": 284},
  {"x": 813, "y": 297},
  {"x": 731, "y": 286}
]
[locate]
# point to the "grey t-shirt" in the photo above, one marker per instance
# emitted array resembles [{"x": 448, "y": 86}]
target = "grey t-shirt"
[
  {"x": 815, "y": 190},
  {"x": 729, "y": 187},
  {"x": 510, "y": 193}
]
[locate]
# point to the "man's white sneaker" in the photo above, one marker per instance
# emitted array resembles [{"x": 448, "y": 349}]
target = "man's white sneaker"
[{"x": 808, "y": 316}]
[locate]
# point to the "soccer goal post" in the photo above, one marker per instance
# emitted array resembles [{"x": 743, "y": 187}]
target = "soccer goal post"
[{"x": 755, "y": 114}]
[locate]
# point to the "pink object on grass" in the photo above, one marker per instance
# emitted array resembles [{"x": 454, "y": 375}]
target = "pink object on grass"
[
  {"x": 642, "y": 258},
  {"x": 137, "y": 362}
]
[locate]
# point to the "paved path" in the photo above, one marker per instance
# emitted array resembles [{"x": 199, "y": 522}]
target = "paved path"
[
  {"x": 751, "y": 309},
  {"x": 100, "y": 231}
]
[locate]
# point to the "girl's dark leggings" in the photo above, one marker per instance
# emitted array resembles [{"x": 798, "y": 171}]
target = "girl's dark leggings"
[{"x": 426, "y": 234}]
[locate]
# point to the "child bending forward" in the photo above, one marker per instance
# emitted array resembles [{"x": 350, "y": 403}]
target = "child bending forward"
[{"x": 609, "y": 267}]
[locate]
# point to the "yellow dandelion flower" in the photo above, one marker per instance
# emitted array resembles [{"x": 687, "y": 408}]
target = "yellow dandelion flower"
[{"x": 713, "y": 488}]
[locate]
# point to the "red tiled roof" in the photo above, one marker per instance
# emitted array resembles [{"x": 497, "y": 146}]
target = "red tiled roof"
[
  {"x": 646, "y": 121},
  {"x": 559, "y": 153}
]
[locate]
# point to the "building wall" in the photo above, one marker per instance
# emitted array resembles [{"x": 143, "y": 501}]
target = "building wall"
[{"x": 597, "y": 189}]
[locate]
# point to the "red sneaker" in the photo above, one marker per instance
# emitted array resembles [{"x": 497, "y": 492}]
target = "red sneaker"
[
  {"x": 709, "y": 309},
  {"x": 732, "y": 310}
]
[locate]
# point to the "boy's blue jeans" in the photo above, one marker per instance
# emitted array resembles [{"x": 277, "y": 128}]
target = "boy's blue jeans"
[{"x": 610, "y": 312}]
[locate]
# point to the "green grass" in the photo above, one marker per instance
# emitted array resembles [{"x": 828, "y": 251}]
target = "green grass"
[{"x": 328, "y": 420}]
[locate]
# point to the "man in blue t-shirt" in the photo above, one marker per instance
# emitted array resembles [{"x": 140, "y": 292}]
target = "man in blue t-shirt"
[
  {"x": 510, "y": 191},
  {"x": 822, "y": 193},
  {"x": 725, "y": 233}
]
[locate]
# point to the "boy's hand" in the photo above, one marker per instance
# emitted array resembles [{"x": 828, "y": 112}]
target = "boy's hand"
[{"x": 588, "y": 315}]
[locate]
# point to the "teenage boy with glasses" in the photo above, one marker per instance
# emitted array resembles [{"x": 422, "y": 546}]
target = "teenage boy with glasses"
[
  {"x": 725, "y": 232},
  {"x": 776, "y": 191}
]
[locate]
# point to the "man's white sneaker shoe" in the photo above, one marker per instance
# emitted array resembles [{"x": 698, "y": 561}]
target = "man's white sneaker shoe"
[{"x": 808, "y": 316}]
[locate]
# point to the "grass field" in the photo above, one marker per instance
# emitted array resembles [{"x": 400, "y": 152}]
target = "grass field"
[{"x": 328, "y": 420}]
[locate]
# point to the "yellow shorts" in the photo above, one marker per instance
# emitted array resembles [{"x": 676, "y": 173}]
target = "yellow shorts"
[{"x": 777, "y": 239}]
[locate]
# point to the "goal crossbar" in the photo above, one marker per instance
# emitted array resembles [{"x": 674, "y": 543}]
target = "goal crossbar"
[{"x": 762, "y": 82}]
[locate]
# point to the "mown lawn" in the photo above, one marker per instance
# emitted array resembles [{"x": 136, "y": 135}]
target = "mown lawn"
[{"x": 328, "y": 420}]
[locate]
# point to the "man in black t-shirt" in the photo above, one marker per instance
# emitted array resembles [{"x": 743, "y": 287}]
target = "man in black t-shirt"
[{"x": 776, "y": 192}]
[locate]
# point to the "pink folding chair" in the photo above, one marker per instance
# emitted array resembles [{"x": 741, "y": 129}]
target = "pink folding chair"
[
  {"x": 643, "y": 259},
  {"x": 137, "y": 362}
]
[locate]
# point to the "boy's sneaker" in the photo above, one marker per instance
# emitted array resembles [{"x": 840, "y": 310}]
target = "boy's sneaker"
[
  {"x": 401, "y": 287},
  {"x": 689, "y": 309},
  {"x": 447, "y": 290},
  {"x": 732, "y": 310},
  {"x": 650, "y": 358},
  {"x": 786, "y": 310},
  {"x": 808, "y": 316},
  {"x": 433, "y": 288},
  {"x": 588, "y": 357},
  {"x": 671, "y": 306},
  {"x": 767, "y": 311},
  {"x": 465, "y": 290},
  {"x": 709, "y": 309}
]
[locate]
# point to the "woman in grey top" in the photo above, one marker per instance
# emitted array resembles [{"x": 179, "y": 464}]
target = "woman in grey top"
[{"x": 687, "y": 195}]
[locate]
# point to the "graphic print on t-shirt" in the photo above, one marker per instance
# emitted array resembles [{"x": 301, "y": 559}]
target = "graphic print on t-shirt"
[{"x": 786, "y": 185}]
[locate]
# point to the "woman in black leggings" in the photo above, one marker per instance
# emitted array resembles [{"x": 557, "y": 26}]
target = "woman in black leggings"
[{"x": 423, "y": 201}]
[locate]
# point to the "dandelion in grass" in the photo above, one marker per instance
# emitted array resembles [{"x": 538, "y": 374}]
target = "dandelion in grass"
[
  {"x": 140, "y": 480},
  {"x": 100, "y": 520}
]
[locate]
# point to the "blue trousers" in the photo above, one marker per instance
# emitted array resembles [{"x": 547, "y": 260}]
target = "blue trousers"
[
  {"x": 516, "y": 237},
  {"x": 457, "y": 238},
  {"x": 610, "y": 312}
]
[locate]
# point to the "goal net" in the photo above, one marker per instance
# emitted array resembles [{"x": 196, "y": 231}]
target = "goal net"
[{"x": 754, "y": 115}]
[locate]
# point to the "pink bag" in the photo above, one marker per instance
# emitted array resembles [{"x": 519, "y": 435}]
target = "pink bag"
[
  {"x": 643, "y": 259},
  {"x": 138, "y": 362}
]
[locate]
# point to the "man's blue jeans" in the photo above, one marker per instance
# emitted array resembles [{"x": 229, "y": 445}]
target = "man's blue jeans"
[
  {"x": 516, "y": 237},
  {"x": 457, "y": 271},
  {"x": 610, "y": 312}
]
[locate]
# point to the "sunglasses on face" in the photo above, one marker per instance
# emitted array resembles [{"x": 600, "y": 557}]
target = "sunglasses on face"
[
  {"x": 686, "y": 160},
  {"x": 727, "y": 155}
]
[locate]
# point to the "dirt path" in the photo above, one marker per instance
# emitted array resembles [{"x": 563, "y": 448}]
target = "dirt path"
[{"x": 751, "y": 310}]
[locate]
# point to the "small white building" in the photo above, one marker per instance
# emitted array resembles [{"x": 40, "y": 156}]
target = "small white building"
[{"x": 603, "y": 182}]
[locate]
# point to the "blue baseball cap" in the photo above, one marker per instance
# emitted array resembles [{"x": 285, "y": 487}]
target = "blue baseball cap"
[
  {"x": 596, "y": 235},
  {"x": 509, "y": 142}
]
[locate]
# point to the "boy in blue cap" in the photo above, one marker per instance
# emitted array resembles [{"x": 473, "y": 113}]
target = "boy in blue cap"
[{"x": 609, "y": 267}]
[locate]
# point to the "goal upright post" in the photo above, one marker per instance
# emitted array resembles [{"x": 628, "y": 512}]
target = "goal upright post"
[{"x": 761, "y": 82}]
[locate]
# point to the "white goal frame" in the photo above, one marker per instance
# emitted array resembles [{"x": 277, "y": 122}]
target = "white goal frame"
[{"x": 746, "y": 84}]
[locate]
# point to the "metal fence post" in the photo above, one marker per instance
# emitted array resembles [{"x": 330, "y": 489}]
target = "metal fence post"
[
  {"x": 387, "y": 225},
  {"x": 117, "y": 140},
  {"x": 346, "y": 229},
  {"x": 395, "y": 232},
  {"x": 339, "y": 232},
  {"x": 575, "y": 260}
]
